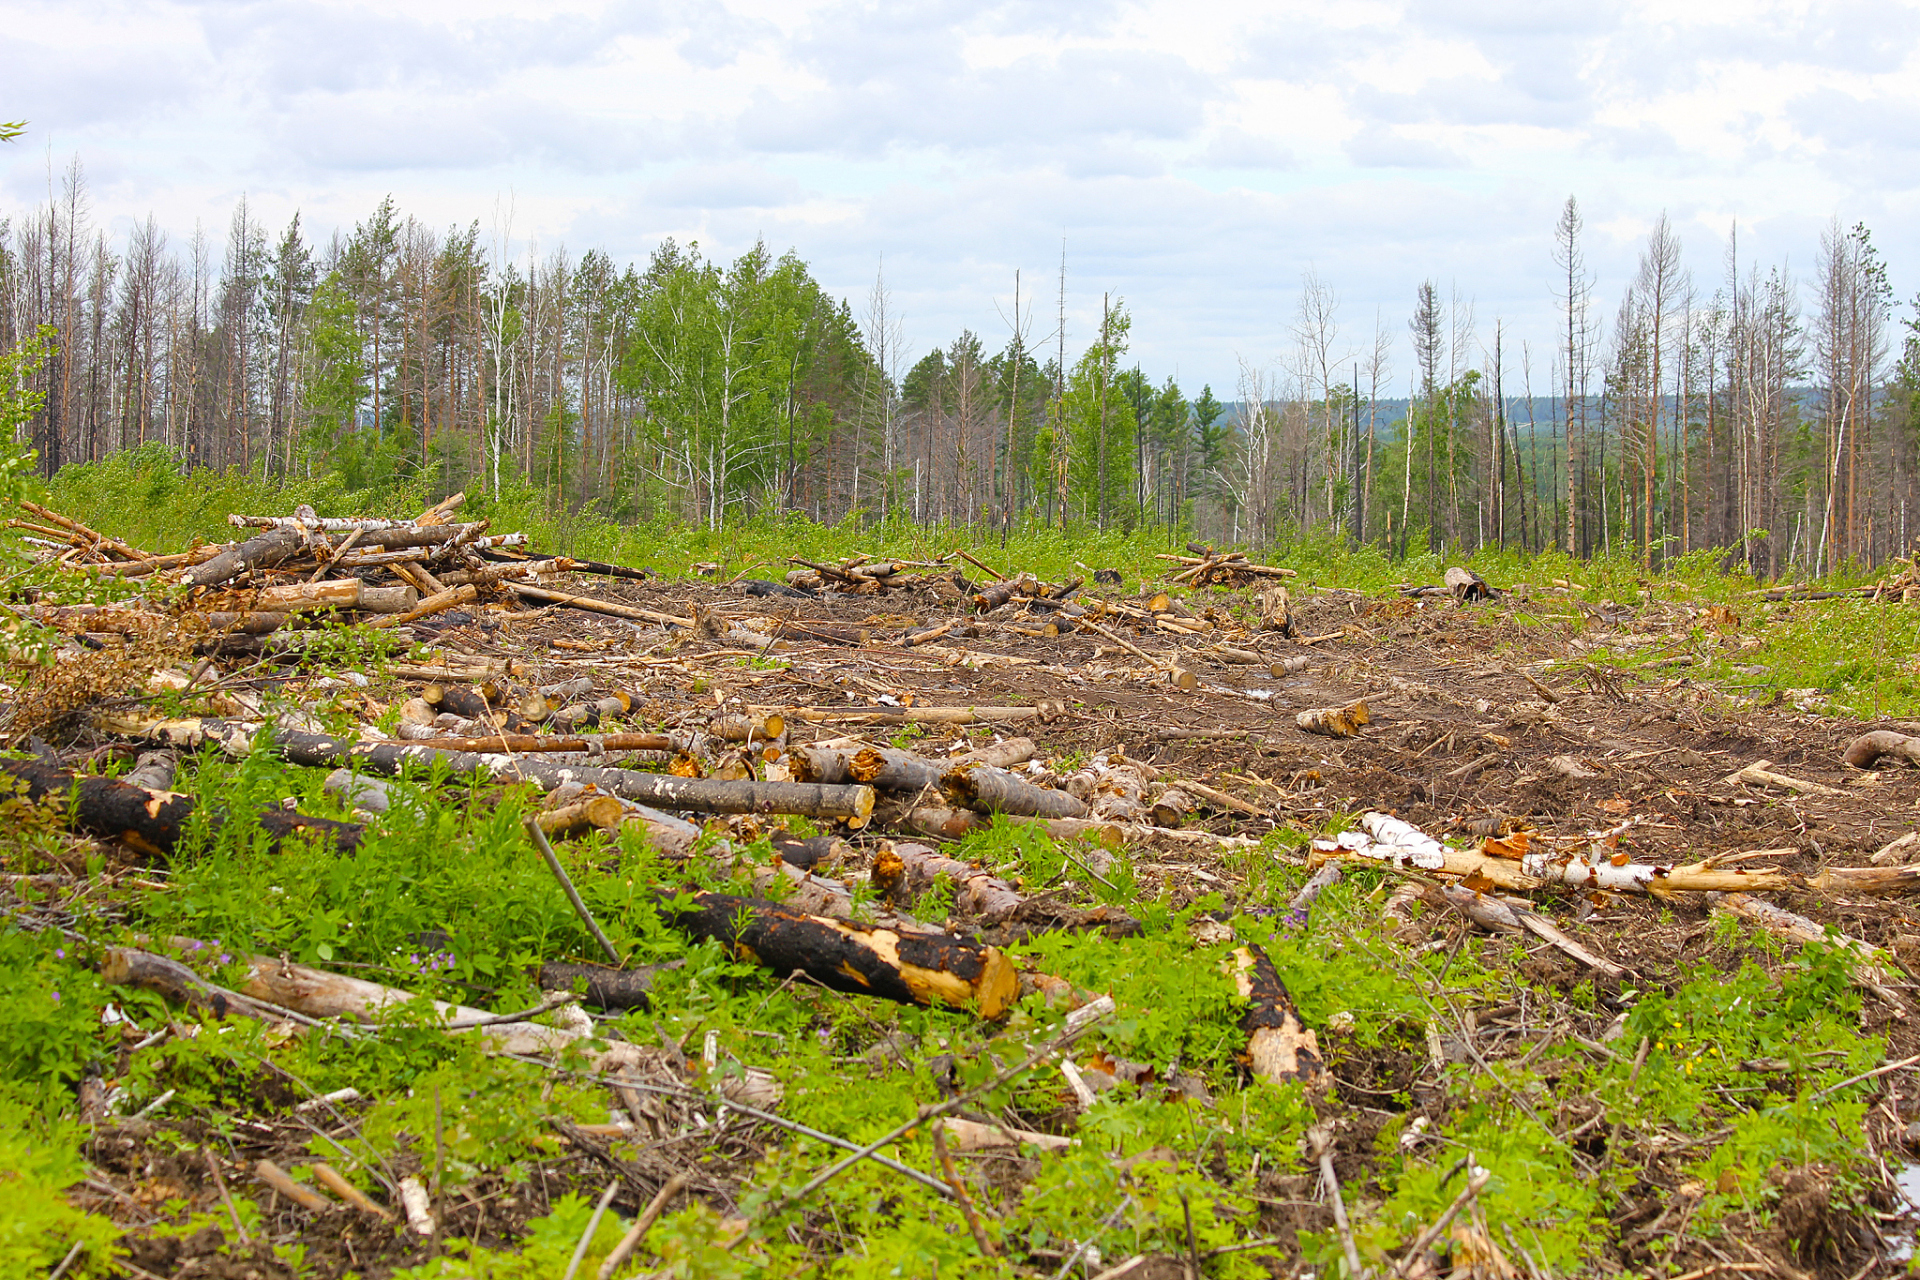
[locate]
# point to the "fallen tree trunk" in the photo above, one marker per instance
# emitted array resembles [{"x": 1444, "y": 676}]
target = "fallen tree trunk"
[
  {"x": 853, "y": 804},
  {"x": 912, "y": 968},
  {"x": 1399, "y": 844},
  {"x": 952, "y": 824},
  {"x": 1869, "y": 973},
  {"x": 921, "y": 715},
  {"x": 546, "y": 744},
  {"x": 151, "y": 821}
]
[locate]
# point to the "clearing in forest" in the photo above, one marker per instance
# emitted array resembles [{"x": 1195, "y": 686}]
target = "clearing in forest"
[{"x": 386, "y": 898}]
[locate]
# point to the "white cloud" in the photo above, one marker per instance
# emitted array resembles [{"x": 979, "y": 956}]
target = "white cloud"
[{"x": 1196, "y": 159}]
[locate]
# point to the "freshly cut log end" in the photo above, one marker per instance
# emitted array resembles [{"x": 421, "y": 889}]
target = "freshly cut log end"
[
  {"x": 1182, "y": 679},
  {"x": 1335, "y": 722},
  {"x": 912, "y": 968},
  {"x": 1279, "y": 1046}
]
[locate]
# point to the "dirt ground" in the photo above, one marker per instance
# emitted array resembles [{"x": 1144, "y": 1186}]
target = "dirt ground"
[{"x": 1476, "y": 711}]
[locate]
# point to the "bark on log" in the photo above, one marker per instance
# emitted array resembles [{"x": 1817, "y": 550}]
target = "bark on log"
[
  {"x": 952, "y": 824},
  {"x": 249, "y": 623},
  {"x": 993, "y": 790},
  {"x": 439, "y": 602},
  {"x": 602, "y": 986},
  {"x": 1280, "y": 1047},
  {"x": 894, "y": 770},
  {"x": 317, "y": 993},
  {"x": 923, "y": 715},
  {"x": 341, "y": 593},
  {"x": 1335, "y": 722},
  {"x": 854, "y": 804},
  {"x": 261, "y": 552},
  {"x": 150, "y": 821},
  {"x": 902, "y": 871},
  {"x": 545, "y": 744},
  {"x": 912, "y": 968}
]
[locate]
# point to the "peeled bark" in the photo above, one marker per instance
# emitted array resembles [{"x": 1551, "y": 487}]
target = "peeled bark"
[
  {"x": 1509, "y": 864},
  {"x": 998, "y": 791},
  {"x": 1334, "y": 722},
  {"x": 1279, "y": 1046},
  {"x": 912, "y": 968}
]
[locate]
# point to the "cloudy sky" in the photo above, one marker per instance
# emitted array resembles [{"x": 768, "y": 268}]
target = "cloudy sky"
[{"x": 1196, "y": 159}]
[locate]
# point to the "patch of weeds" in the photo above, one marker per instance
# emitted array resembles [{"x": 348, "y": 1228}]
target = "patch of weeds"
[{"x": 39, "y": 1159}]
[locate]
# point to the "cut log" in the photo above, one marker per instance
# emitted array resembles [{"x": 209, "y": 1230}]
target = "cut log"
[
  {"x": 894, "y": 770},
  {"x": 923, "y": 715},
  {"x": 953, "y": 824},
  {"x": 935, "y": 969},
  {"x": 971, "y": 1135},
  {"x": 1467, "y": 585},
  {"x": 1280, "y": 1047},
  {"x": 541, "y": 595},
  {"x": 993, "y": 790},
  {"x": 250, "y": 623},
  {"x": 317, "y": 993},
  {"x": 1869, "y": 749},
  {"x": 260, "y": 552},
  {"x": 456, "y": 699},
  {"x": 416, "y": 609},
  {"x": 902, "y": 871},
  {"x": 853, "y": 804},
  {"x": 341, "y": 593},
  {"x": 151, "y": 821},
  {"x": 746, "y": 728},
  {"x": 1334, "y": 722},
  {"x": 603, "y": 986},
  {"x": 543, "y": 744}
]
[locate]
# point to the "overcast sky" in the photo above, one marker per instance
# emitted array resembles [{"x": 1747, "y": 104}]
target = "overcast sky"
[{"x": 1197, "y": 159}]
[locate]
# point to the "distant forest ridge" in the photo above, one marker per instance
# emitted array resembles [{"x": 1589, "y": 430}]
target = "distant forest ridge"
[{"x": 1757, "y": 411}]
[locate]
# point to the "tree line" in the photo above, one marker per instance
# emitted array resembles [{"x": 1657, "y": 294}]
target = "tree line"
[{"x": 1763, "y": 418}]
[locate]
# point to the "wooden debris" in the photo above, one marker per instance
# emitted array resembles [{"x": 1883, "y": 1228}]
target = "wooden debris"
[
  {"x": 913, "y": 968},
  {"x": 1757, "y": 774},
  {"x": 1867, "y": 750},
  {"x": 1334, "y": 722},
  {"x": 1279, "y": 1046}
]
